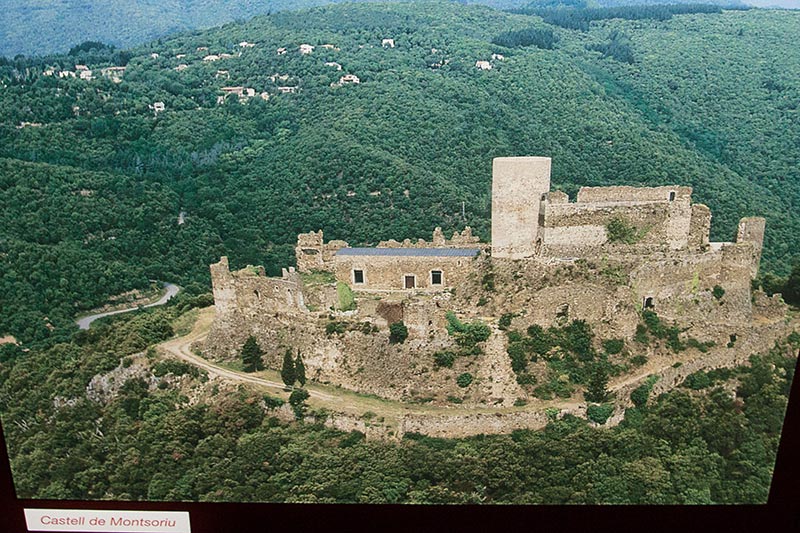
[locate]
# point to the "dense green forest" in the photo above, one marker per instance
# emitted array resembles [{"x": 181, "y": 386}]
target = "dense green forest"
[
  {"x": 695, "y": 445},
  {"x": 93, "y": 179},
  {"x": 126, "y": 24}
]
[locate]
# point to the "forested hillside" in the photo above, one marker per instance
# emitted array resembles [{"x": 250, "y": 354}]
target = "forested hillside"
[
  {"x": 36, "y": 27},
  {"x": 94, "y": 175},
  {"x": 694, "y": 445}
]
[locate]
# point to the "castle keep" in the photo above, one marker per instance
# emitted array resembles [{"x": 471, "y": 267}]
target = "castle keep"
[{"x": 601, "y": 258}]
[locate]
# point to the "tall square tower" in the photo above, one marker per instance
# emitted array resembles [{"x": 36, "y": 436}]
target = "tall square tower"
[{"x": 518, "y": 187}]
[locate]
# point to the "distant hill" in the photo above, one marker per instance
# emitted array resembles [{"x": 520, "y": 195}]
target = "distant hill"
[
  {"x": 39, "y": 27},
  {"x": 94, "y": 174}
]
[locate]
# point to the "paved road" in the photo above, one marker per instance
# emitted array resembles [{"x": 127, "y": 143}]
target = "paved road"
[{"x": 171, "y": 290}]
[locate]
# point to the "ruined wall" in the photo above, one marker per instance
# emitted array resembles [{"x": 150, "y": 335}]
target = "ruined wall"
[
  {"x": 751, "y": 230},
  {"x": 518, "y": 184},
  {"x": 580, "y": 228},
  {"x": 243, "y": 295},
  {"x": 699, "y": 228},
  {"x": 388, "y": 272},
  {"x": 625, "y": 193},
  {"x": 312, "y": 253},
  {"x": 464, "y": 239}
]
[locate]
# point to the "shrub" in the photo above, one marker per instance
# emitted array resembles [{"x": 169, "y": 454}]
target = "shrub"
[
  {"x": 619, "y": 230},
  {"x": 718, "y": 292},
  {"x": 526, "y": 379},
  {"x": 464, "y": 380},
  {"x": 519, "y": 357},
  {"x": 488, "y": 282},
  {"x": 444, "y": 359},
  {"x": 297, "y": 400},
  {"x": 599, "y": 413},
  {"x": 335, "y": 328},
  {"x": 641, "y": 335},
  {"x": 272, "y": 403},
  {"x": 174, "y": 367},
  {"x": 505, "y": 321},
  {"x": 641, "y": 394},
  {"x": 398, "y": 333},
  {"x": 347, "y": 300},
  {"x": 540, "y": 342},
  {"x": 698, "y": 380},
  {"x": 454, "y": 399},
  {"x": 613, "y": 346},
  {"x": 638, "y": 360}
]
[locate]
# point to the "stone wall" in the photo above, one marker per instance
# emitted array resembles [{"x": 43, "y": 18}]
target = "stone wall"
[
  {"x": 580, "y": 228},
  {"x": 246, "y": 295},
  {"x": 312, "y": 253},
  {"x": 387, "y": 273}
]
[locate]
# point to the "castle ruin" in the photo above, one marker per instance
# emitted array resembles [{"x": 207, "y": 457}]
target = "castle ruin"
[{"x": 602, "y": 258}]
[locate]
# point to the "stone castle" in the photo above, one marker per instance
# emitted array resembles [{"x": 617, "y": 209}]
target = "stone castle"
[{"x": 602, "y": 258}]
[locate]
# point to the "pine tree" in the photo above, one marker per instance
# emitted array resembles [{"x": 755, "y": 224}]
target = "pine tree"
[
  {"x": 252, "y": 355},
  {"x": 299, "y": 370},
  {"x": 287, "y": 370}
]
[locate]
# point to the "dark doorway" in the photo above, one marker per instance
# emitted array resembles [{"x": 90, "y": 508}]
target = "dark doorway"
[
  {"x": 436, "y": 277},
  {"x": 649, "y": 303},
  {"x": 358, "y": 276},
  {"x": 411, "y": 282}
]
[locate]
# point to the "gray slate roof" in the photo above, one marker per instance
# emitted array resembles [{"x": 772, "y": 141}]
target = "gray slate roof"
[{"x": 411, "y": 252}]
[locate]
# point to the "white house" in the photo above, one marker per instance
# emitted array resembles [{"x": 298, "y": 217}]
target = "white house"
[
  {"x": 306, "y": 49},
  {"x": 483, "y": 65},
  {"x": 387, "y": 43}
]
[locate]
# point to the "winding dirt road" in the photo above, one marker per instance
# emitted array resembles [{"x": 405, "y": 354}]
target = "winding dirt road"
[{"x": 171, "y": 290}]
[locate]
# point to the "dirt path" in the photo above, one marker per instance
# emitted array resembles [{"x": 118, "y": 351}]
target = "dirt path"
[{"x": 328, "y": 396}]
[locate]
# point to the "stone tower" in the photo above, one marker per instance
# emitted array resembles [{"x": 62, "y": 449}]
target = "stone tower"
[{"x": 518, "y": 187}]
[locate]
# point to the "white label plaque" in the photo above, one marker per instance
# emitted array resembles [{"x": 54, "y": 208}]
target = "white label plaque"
[{"x": 86, "y": 520}]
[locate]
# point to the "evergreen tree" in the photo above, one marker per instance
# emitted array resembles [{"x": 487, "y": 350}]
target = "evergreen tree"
[
  {"x": 252, "y": 355},
  {"x": 287, "y": 370},
  {"x": 299, "y": 370},
  {"x": 596, "y": 390}
]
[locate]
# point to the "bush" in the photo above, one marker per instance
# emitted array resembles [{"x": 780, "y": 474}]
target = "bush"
[
  {"x": 718, "y": 292},
  {"x": 638, "y": 360},
  {"x": 540, "y": 342},
  {"x": 641, "y": 335},
  {"x": 619, "y": 230},
  {"x": 526, "y": 379},
  {"x": 698, "y": 380},
  {"x": 398, "y": 332},
  {"x": 519, "y": 357},
  {"x": 272, "y": 403},
  {"x": 599, "y": 413},
  {"x": 335, "y": 328},
  {"x": 613, "y": 346},
  {"x": 444, "y": 359},
  {"x": 347, "y": 301},
  {"x": 297, "y": 400},
  {"x": 464, "y": 380},
  {"x": 505, "y": 321},
  {"x": 641, "y": 394},
  {"x": 174, "y": 367}
]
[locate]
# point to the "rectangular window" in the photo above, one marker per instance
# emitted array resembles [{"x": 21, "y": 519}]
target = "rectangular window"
[
  {"x": 410, "y": 282},
  {"x": 358, "y": 276},
  {"x": 436, "y": 277}
]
